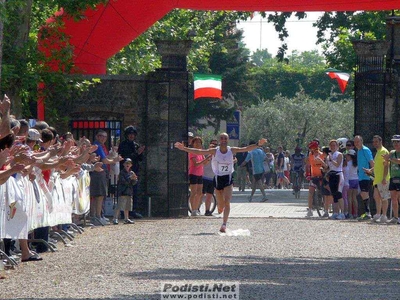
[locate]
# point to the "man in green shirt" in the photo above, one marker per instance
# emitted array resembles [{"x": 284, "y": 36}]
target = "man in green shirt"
[{"x": 393, "y": 158}]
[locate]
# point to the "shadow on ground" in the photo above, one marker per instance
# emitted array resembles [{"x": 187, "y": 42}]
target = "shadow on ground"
[{"x": 296, "y": 278}]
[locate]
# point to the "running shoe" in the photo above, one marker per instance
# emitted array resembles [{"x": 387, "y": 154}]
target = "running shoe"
[
  {"x": 334, "y": 216},
  {"x": 382, "y": 219},
  {"x": 393, "y": 221},
  {"x": 376, "y": 217},
  {"x": 208, "y": 213},
  {"x": 325, "y": 215},
  {"x": 223, "y": 228},
  {"x": 341, "y": 217},
  {"x": 115, "y": 221},
  {"x": 309, "y": 213},
  {"x": 264, "y": 199},
  {"x": 364, "y": 217},
  {"x": 128, "y": 221}
]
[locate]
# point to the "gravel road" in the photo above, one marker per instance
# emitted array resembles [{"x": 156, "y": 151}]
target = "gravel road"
[{"x": 281, "y": 259}]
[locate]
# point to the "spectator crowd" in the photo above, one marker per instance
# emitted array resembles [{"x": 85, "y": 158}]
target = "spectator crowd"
[{"x": 50, "y": 182}]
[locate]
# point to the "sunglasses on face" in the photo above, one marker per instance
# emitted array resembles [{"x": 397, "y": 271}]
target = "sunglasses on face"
[{"x": 395, "y": 142}]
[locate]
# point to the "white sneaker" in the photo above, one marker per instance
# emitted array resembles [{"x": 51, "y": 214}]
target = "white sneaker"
[
  {"x": 382, "y": 219},
  {"x": 195, "y": 213},
  {"x": 376, "y": 217},
  {"x": 309, "y": 213},
  {"x": 392, "y": 221},
  {"x": 105, "y": 221}
]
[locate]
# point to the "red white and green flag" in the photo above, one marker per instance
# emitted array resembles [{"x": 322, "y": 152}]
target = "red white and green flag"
[
  {"x": 207, "y": 86},
  {"x": 341, "y": 77}
]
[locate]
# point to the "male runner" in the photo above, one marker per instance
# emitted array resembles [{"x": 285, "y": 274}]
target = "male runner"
[{"x": 222, "y": 163}]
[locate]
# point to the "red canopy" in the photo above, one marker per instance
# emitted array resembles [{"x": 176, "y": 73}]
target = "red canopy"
[{"x": 114, "y": 25}]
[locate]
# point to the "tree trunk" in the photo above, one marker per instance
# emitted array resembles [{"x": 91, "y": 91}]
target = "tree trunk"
[
  {"x": 1, "y": 38},
  {"x": 21, "y": 38}
]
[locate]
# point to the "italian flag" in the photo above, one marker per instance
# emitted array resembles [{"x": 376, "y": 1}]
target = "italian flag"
[
  {"x": 341, "y": 77},
  {"x": 207, "y": 86}
]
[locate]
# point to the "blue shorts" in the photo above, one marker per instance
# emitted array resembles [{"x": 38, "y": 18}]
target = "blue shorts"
[{"x": 353, "y": 184}]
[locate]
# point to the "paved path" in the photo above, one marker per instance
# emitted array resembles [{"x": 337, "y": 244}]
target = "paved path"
[{"x": 280, "y": 204}]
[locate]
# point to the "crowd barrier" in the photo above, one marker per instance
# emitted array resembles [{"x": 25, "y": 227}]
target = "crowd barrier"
[{"x": 29, "y": 204}]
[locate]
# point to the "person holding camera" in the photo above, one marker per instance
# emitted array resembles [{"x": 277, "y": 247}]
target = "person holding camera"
[{"x": 126, "y": 180}]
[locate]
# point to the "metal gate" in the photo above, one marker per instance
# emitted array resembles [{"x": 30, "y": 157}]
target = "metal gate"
[{"x": 370, "y": 90}]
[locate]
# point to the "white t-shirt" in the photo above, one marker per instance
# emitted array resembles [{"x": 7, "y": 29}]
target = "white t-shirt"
[{"x": 285, "y": 163}]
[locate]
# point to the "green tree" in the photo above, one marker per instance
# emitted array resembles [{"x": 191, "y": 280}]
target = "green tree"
[
  {"x": 304, "y": 72},
  {"x": 260, "y": 57},
  {"x": 282, "y": 120}
]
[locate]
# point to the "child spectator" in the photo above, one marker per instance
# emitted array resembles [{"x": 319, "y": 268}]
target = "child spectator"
[
  {"x": 126, "y": 180},
  {"x": 351, "y": 177}
]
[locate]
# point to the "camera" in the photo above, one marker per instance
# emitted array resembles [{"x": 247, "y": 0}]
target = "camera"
[{"x": 326, "y": 150}]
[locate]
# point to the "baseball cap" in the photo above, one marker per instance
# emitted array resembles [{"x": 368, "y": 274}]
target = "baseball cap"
[
  {"x": 313, "y": 145},
  {"x": 351, "y": 152},
  {"x": 190, "y": 134},
  {"x": 34, "y": 135},
  {"x": 128, "y": 161},
  {"x": 396, "y": 137}
]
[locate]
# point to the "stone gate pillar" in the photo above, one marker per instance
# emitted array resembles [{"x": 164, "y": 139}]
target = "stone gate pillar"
[{"x": 166, "y": 122}]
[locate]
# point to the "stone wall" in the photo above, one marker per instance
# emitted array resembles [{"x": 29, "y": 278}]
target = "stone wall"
[{"x": 157, "y": 104}]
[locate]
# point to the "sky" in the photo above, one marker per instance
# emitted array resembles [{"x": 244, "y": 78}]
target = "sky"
[{"x": 302, "y": 36}]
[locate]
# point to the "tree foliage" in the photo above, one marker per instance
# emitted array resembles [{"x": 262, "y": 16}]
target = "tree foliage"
[
  {"x": 336, "y": 30},
  {"x": 304, "y": 72},
  {"x": 282, "y": 120},
  {"x": 216, "y": 49}
]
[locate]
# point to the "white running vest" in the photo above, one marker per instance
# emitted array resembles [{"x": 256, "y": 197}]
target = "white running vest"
[{"x": 222, "y": 163}]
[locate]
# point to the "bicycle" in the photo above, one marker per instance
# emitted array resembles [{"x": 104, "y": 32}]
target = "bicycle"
[
  {"x": 202, "y": 207},
  {"x": 296, "y": 179},
  {"x": 318, "y": 199}
]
